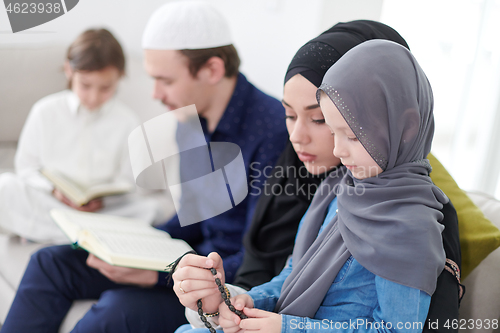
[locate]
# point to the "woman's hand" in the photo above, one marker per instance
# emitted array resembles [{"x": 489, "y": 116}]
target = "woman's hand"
[
  {"x": 91, "y": 206},
  {"x": 229, "y": 321},
  {"x": 260, "y": 321},
  {"x": 193, "y": 281}
]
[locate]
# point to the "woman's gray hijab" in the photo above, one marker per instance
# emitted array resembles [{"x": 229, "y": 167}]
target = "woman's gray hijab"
[{"x": 388, "y": 223}]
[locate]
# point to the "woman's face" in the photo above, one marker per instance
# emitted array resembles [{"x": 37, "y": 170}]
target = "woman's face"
[{"x": 310, "y": 136}]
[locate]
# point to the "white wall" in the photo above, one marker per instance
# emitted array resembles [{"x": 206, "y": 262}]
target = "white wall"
[
  {"x": 266, "y": 32},
  {"x": 455, "y": 43}
]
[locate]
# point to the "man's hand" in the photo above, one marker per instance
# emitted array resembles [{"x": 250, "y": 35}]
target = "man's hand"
[
  {"x": 92, "y": 206},
  {"x": 229, "y": 321},
  {"x": 260, "y": 321},
  {"x": 123, "y": 275},
  {"x": 193, "y": 281}
]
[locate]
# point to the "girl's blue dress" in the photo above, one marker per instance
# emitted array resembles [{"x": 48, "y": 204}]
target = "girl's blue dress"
[{"x": 357, "y": 301}]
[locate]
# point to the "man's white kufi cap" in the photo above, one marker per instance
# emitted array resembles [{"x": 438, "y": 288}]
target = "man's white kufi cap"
[{"x": 186, "y": 25}]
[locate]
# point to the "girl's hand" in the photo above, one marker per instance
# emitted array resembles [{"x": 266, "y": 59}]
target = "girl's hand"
[
  {"x": 260, "y": 321},
  {"x": 229, "y": 320},
  {"x": 192, "y": 281}
]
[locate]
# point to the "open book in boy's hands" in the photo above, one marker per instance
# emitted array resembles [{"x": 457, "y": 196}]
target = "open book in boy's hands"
[
  {"x": 120, "y": 241},
  {"x": 80, "y": 195}
]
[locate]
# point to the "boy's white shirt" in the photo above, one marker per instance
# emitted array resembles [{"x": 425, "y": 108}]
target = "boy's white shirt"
[
  {"x": 90, "y": 147},
  {"x": 194, "y": 319}
]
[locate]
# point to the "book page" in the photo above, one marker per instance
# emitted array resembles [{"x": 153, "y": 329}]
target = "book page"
[
  {"x": 100, "y": 222},
  {"x": 70, "y": 189},
  {"x": 102, "y": 190},
  {"x": 81, "y": 195},
  {"x": 120, "y": 241},
  {"x": 144, "y": 247}
]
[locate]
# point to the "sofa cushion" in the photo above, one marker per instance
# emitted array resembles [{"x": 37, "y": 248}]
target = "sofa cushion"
[
  {"x": 478, "y": 236},
  {"x": 14, "y": 256},
  {"x": 481, "y": 301},
  {"x": 30, "y": 72}
]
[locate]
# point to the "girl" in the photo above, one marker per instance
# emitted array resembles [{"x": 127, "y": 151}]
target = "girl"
[
  {"x": 81, "y": 133},
  {"x": 271, "y": 235},
  {"x": 376, "y": 262}
]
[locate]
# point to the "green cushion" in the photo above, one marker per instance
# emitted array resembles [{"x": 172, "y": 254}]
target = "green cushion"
[{"x": 478, "y": 236}]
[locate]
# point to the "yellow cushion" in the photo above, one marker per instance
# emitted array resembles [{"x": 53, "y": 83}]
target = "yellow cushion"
[{"x": 478, "y": 236}]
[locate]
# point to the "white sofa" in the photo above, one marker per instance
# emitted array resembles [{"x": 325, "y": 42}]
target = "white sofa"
[{"x": 36, "y": 72}]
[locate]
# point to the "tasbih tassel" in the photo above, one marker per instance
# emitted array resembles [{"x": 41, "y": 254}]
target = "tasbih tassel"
[{"x": 173, "y": 266}]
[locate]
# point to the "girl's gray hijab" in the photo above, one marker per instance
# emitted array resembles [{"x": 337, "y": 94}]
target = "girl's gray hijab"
[{"x": 388, "y": 223}]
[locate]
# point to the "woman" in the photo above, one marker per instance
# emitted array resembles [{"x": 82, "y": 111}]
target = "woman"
[
  {"x": 266, "y": 253},
  {"x": 375, "y": 260},
  {"x": 270, "y": 238}
]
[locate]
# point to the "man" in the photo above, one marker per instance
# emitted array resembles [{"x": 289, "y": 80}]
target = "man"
[{"x": 189, "y": 53}]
